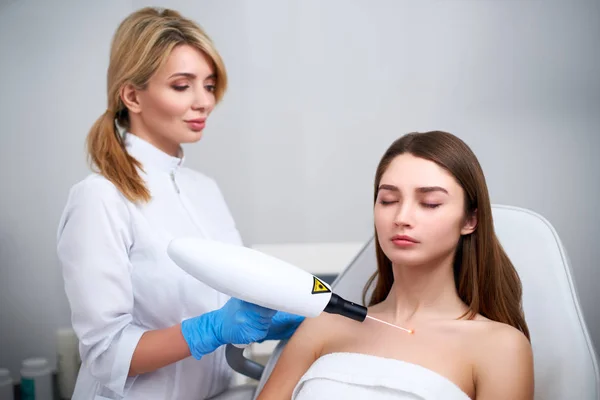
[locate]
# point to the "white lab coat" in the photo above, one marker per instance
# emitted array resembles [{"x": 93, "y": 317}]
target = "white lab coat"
[{"x": 120, "y": 281}]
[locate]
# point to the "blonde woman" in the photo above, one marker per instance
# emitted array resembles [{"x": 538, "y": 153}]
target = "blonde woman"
[{"x": 148, "y": 330}]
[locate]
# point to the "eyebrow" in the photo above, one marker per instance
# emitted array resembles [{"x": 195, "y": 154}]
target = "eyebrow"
[
  {"x": 192, "y": 76},
  {"x": 425, "y": 189}
]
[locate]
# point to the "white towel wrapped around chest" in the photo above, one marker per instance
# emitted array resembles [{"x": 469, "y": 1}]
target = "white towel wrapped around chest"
[{"x": 360, "y": 376}]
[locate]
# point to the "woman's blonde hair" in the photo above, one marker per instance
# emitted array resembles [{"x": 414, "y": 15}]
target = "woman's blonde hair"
[{"x": 141, "y": 45}]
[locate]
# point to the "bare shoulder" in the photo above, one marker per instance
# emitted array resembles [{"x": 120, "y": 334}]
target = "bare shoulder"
[
  {"x": 300, "y": 352},
  {"x": 501, "y": 340},
  {"x": 503, "y": 362},
  {"x": 319, "y": 331}
]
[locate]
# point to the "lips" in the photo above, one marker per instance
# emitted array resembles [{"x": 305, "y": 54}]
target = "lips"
[
  {"x": 404, "y": 238},
  {"x": 197, "y": 124},
  {"x": 404, "y": 241},
  {"x": 196, "y": 121}
]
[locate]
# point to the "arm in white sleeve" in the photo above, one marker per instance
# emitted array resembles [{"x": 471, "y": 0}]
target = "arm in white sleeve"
[{"x": 94, "y": 238}]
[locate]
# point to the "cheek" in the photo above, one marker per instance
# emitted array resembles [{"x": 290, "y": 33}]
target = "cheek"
[
  {"x": 211, "y": 101},
  {"x": 443, "y": 232},
  {"x": 382, "y": 220},
  {"x": 165, "y": 104},
  {"x": 173, "y": 104},
  {"x": 385, "y": 228}
]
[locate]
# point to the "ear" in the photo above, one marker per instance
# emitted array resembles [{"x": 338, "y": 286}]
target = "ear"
[
  {"x": 130, "y": 98},
  {"x": 470, "y": 224}
]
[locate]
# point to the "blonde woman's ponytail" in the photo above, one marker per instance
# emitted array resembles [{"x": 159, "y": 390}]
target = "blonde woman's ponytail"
[{"x": 107, "y": 153}]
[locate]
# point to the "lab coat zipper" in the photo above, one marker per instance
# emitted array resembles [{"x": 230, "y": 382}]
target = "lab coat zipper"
[
  {"x": 174, "y": 183},
  {"x": 196, "y": 223}
]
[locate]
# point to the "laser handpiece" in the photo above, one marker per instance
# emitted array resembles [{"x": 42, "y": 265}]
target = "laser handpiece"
[{"x": 258, "y": 278}]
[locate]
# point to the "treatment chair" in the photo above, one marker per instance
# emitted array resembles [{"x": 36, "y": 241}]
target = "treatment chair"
[{"x": 566, "y": 365}]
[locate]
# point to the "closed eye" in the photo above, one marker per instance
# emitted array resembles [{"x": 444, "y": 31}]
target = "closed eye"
[{"x": 426, "y": 205}]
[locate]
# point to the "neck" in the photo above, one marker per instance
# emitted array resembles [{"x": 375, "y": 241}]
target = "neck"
[{"x": 424, "y": 292}]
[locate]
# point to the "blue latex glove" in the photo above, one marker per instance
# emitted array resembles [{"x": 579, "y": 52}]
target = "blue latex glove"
[
  {"x": 283, "y": 326},
  {"x": 237, "y": 322}
]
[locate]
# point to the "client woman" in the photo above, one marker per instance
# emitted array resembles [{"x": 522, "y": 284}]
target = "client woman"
[{"x": 442, "y": 273}]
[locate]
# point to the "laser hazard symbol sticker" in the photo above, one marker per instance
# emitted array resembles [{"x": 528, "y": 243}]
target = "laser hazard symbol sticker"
[{"x": 319, "y": 286}]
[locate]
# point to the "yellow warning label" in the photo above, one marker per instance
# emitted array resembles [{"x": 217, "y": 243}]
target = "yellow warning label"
[{"x": 319, "y": 287}]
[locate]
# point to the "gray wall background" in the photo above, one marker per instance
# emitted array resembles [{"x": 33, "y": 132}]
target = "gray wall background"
[{"x": 318, "y": 91}]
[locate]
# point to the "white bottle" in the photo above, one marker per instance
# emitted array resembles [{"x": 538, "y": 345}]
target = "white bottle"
[
  {"x": 6, "y": 385},
  {"x": 36, "y": 379},
  {"x": 68, "y": 361}
]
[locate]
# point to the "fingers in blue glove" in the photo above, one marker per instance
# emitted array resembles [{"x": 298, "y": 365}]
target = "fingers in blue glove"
[
  {"x": 237, "y": 322},
  {"x": 249, "y": 322},
  {"x": 283, "y": 326},
  {"x": 282, "y": 317}
]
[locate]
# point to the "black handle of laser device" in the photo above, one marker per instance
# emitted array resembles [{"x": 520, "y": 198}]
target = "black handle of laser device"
[{"x": 338, "y": 305}]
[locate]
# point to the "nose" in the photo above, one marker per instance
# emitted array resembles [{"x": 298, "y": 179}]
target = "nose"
[
  {"x": 405, "y": 214},
  {"x": 203, "y": 100}
]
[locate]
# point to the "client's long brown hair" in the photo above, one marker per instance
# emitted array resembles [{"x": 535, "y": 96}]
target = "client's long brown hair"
[{"x": 485, "y": 278}]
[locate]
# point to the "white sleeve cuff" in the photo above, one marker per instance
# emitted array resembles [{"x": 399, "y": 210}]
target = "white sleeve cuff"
[{"x": 120, "y": 381}]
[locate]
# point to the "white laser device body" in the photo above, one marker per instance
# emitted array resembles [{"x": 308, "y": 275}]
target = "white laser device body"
[{"x": 258, "y": 278}]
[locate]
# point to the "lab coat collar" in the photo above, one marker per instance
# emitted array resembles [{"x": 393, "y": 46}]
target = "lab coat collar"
[{"x": 151, "y": 157}]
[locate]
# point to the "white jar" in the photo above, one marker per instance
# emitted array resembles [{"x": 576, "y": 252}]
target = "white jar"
[
  {"x": 7, "y": 388},
  {"x": 36, "y": 379}
]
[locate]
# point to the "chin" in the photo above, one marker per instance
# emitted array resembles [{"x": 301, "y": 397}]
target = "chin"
[
  {"x": 191, "y": 137},
  {"x": 406, "y": 258},
  {"x": 424, "y": 259},
  {"x": 408, "y": 262}
]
